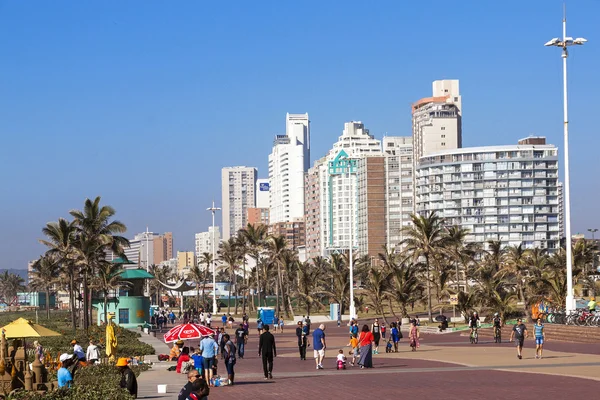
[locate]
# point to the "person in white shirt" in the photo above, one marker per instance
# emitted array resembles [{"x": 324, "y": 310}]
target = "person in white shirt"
[
  {"x": 92, "y": 354},
  {"x": 78, "y": 350},
  {"x": 341, "y": 360}
]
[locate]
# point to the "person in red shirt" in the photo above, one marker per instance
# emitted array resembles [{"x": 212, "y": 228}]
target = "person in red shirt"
[
  {"x": 185, "y": 356},
  {"x": 365, "y": 343}
]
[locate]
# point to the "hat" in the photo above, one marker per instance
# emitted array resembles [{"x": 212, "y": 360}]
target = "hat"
[
  {"x": 64, "y": 357},
  {"x": 121, "y": 362},
  {"x": 73, "y": 342},
  {"x": 179, "y": 342}
]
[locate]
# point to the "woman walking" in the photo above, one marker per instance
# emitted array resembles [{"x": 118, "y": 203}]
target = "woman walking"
[
  {"x": 414, "y": 335},
  {"x": 365, "y": 344},
  {"x": 395, "y": 335},
  {"x": 376, "y": 330}
]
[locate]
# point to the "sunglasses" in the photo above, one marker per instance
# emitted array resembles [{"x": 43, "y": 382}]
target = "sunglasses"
[{"x": 196, "y": 376}]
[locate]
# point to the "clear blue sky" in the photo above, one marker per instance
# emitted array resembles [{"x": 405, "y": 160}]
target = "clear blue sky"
[{"x": 143, "y": 102}]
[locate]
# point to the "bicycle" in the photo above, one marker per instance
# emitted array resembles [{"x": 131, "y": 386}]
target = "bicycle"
[
  {"x": 497, "y": 334},
  {"x": 474, "y": 337}
]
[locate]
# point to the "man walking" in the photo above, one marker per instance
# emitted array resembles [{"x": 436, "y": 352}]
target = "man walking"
[
  {"x": 540, "y": 336},
  {"x": 240, "y": 336},
  {"x": 519, "y": 333},
  {"x": 319, "y": 345},
  {"x": 266, "y": 348}
]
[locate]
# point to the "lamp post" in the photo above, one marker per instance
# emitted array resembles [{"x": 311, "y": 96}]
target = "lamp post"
[
  {"x": 214, "y": 209},
  {"x": 593, "y": 231},
  {"x": 352, "y": 309},
  {"x": 563, "y": 44}
]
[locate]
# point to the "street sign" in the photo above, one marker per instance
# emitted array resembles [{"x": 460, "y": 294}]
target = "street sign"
[
  {"x": 264, "y": 187},
  {"x": 454, "y": 299}
]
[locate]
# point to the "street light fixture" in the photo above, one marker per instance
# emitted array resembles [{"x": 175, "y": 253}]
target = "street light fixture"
[
  {"x": 214, "y": 209},
  {"x": 563, "y": 44}
]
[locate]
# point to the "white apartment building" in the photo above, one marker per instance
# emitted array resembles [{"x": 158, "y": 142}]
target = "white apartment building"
[
  {"x": 436, "y": 120},
  {"x": 288, "y": 162},
  {"x": 262, "y": 193},
  {"x": 238, "y": 185},
  {"x": 398, "y": 186},
  {"x": 204, "y": 241},
  {"x": 501, "y": 193},
  {"x": 338, "y": 187}
]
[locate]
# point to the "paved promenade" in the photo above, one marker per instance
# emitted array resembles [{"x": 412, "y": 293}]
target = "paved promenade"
[{"x": 446, "y": 366}]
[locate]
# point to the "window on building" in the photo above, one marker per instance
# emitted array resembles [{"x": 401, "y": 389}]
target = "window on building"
[
  {"x": 443, "y": 143},
  {"x": 443, "y": 128}
]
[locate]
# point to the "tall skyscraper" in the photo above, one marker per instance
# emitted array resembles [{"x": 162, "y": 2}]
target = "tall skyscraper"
[
  {"x": 288, "y": 162},
  {"x": 437, "y": 124},
  {"x": 341, "y": 191},
  {"x": 204, "y": 241},
  {"x": 399, "y": 186},
  {"x": 499, "y": 193},
  {"x": 163, "y": 247},
  {"x": 238, "y": 191}
]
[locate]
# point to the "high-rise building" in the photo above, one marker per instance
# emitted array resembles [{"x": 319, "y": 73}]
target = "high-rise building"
[
  {"x": 141, "y": 249},
  {"x": 185, "y": 261},
  {"x": 294, "y": 232},
  {"x": 163, "y": 247},
  {"x": 499, "y": 193},
  {"x": 238, "y": 185},
  {"x": 262, "y": 193},
  {"x": 436, "y": 121},
  {"x": 288, "y": 162},
  {"x": 371, "y": 204},
  {"x": 339, "y": 188},
  {"x": 258, "y": 216},
  {"x": 399, "y": 187},
  {"x": 312, "y": 205},
  {"x": 204, "y": 241}
]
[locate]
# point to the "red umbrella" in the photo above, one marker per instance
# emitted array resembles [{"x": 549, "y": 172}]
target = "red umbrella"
[{"x": 187, "y": 331}]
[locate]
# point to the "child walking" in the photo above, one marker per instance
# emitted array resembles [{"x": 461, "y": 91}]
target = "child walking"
[{"x": 354, "y": 345}]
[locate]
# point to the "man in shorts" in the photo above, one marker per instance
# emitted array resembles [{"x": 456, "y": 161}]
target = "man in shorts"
[
  {"x": 540, "y": 336},
  {"x": 208, "y": 347},
  {"x": 519, "y": 333},
  {"x": 319, "y": 345}
]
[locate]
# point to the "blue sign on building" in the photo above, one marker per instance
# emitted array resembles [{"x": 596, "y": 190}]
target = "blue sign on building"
[{"x": 264, "y": 187}]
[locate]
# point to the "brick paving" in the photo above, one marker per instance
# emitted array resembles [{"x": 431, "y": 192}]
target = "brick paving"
[{"x": 443, "y": 367}]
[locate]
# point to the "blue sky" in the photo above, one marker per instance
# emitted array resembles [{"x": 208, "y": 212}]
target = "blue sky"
[{"x": 143, "y": 102}]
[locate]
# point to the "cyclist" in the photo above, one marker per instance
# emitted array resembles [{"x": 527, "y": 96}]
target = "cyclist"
[
  {"x": 497, "y": 321},
  {"x": 474, "y": 322}
]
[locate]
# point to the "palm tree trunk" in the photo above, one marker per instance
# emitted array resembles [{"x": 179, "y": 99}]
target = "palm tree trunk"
[
  {"x": 257, "y": 282},
  {"x": 428, "y": 290},
  {"x": 72, "y": 301},
  {"x": 86, "y": 321},
  {"x": 106, "y": 307},
  {"x": 246, "y": 286},
  {"x": 47, "y": 302},
  {"x": 236, "y": 293},
  {"x": 229, "y": 292}
]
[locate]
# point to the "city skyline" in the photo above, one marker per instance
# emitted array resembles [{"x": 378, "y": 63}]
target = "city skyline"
[{"x": 46, "y": 115}]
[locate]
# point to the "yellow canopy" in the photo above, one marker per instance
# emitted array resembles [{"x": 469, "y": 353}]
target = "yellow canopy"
[{"x": 22, "y": 328}]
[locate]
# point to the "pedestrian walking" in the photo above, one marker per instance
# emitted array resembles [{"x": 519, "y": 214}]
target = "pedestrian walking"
[
  {"x": 383, "y": 330},
  {"x": 301, "y": 341},
  {"x": 540, "y": 337},
  {"x": 365, "y": 344},
  {"x": 275, "y": 323},
  {"x": 229, "y": 355},
  {"x": 128, "y": 380},
  {"x": 395, "y": 335},
  {"x": 224, "y": 320},
  {"x": 268, "y": 350},
  {"x": 519, "y": 333},
  {"x": 319, "y": 345},
  {"x": 376, "y": 331},
  {"x": 241, "y": 337},
  {"x": 259, "y": 326},
  {"x": 414, "y": 335}
]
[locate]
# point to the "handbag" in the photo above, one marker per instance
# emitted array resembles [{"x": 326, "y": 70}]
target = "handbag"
[{"x": 400, "y": 334}]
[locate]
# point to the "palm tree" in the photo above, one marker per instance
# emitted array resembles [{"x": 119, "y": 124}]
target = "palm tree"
[
  {"x": 425, "y": 239},
  {"x": 108, "y": 279},
  {"x": 60, "y": 241},
  {"x": 336, "y": 280},
  {"x": 44, "y": 275},
  {"x": 515, "y": 271},
  {"x": 244, "y": 250},
  {"x": 254, "y": 236},
  {"x": 229, "y": 254},
  {"x": 207, "y": 259},
  {"x": 198, "y": 276},
  {"x": 277, "y": 246},
  {"x": 404, "y": 287},
  {"x": 309, "y": 277},
  {"x": 161, "y": 273},
  {"x": 377, "y": 286},
  {"x": 94, "y": 227},
  {"x": 10, "y": 286}
]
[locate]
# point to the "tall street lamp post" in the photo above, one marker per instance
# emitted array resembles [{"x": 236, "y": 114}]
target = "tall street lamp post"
[
  {"x": 593, "y": 231},
  {"x": 563, "y": 44},
  {"x": 214, "y": 209}
]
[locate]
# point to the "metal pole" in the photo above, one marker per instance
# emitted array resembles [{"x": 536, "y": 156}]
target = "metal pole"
[
  {"x": 351, "y": 261},
  {"x": 570, "y": 301},
  {"x": 147, "y": 264},
  {"x": 213, "y": 209}
]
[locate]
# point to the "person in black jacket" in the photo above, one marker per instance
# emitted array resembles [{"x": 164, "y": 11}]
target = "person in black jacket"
[
  {"x": 301, "y": 341},
  {"x": 266, "y": 348},
  {"x": 128, "y": 380}
]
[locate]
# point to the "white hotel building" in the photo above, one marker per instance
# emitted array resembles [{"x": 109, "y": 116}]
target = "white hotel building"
[
  {"x": 288, "y": 162},
  {"x": 501, "y": 193}
]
